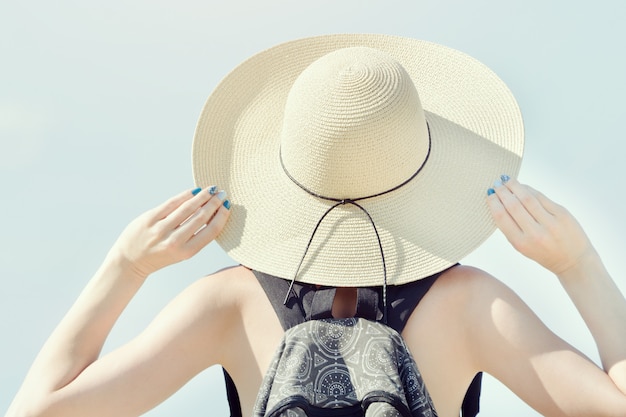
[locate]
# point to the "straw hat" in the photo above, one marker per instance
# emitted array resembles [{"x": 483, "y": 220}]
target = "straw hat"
[{"x": 419, "y": 129}]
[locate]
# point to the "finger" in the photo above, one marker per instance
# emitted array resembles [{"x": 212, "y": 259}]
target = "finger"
[
  {"x": 166, "y": 208},
  {"x": 515, "y": 208},
  {"x": 550, "y": 206},
  {"x": 529, "y": 200},
  {"x": 201, "y": 217},
  {"x": 503, "y": 219},
  {"x": 188, "y": 208},
  {"x": 211, "y": 230}
]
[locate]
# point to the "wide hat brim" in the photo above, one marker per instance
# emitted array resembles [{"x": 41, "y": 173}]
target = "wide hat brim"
[{"x": 425, "y": 226}]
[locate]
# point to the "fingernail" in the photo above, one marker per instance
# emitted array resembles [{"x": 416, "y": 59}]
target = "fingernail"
[
  {"x": 491, "y": 191},
  {"x": 221, "y": 195},
  {"x": 226, "y": 204},
  {"x": 504, "y": 178},
  {"x": 212, "y": 189},
  {"x": 196, "y": 190},
  {"x": 497, "y": 184}
]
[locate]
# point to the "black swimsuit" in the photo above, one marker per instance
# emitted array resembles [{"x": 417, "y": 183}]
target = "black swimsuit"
[{"x": 310, "y": 301}]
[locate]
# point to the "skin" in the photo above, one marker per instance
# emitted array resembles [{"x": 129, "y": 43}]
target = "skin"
[{"x": 473, "y": 322}]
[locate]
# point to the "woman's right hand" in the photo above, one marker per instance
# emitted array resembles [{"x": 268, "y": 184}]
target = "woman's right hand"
[{"x": 174, "y": 231}]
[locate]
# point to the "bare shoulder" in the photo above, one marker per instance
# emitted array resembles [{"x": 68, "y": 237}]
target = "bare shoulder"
[
  {"x": 254, "y": 322},
  {"x": 496, "y": 332},
  {"x": 457, "y": 291},
  {"x": 213, "y": 294},
  {"x": 482, "y": 303},
  {"x": 438, "y": 333},
  {"x": 232, "y": 294},
  {"x": 252, "y": 333},
  {"x": 225, "y": 289},
  {"x": 210, "y": 310},
  {"x": 474, "y": 307},
  {"x": 465, "y": 282},
  {"x": 231, "y": 289}
]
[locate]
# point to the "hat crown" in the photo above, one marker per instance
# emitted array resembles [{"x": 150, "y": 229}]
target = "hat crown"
[{"x": 353, "y": 125}]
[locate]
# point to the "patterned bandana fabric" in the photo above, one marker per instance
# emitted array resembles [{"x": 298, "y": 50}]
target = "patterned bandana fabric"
[{"x": 343, "y": 367}]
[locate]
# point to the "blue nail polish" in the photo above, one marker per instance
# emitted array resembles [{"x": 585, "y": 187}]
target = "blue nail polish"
[
  {"x": 504, "y": 178},
  {"x": 213, "y": 189},
  {"x": 497, "y": 184},
  {"x": 491, "y": 191},
  {"x": 221, "y": 195},
  {"x": 196, "y": 190},
  {"x": 226, "y": 204}
]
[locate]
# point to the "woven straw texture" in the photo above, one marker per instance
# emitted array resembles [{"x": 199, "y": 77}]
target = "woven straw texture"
[{"x": 425, "y": 226}]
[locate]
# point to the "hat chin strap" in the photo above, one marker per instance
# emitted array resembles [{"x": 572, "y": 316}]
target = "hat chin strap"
[{"x": 352, "y": 201}]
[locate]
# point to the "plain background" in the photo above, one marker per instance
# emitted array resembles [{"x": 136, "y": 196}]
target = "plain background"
[{"x": 99, "y": 100}]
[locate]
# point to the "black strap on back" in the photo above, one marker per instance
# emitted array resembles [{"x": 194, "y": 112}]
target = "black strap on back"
[
  {"x": 232, "y": 395},
  {"x": 367, "y": 304},
  {"x": 323, "y": 298},
  {"x": 322, "y": 304},
  {"x": 471, "y": 402},
  {"x": 311, "y": 301}
]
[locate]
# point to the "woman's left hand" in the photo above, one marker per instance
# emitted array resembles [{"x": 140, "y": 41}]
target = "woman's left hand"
[{"x": 537, "y": 227}]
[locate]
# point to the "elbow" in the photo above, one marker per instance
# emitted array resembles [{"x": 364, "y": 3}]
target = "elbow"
[{"x": 28, "y": 407}]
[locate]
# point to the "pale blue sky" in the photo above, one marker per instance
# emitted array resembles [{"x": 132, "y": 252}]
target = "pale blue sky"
[{"x": 98, "y": 103}]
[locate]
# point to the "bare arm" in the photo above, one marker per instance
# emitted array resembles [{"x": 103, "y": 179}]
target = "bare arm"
[
  {"x": 67, "y": 375},
  {"x": 541, "y": 368},
  {"x": 602, "y": 306}
]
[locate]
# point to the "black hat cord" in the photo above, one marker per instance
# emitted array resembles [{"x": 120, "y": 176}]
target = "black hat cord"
[{"x": 352, "y": 201}]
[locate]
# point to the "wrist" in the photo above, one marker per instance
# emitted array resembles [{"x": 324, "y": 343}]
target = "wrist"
[
  {"x": 124, "y": 266},
  {"x": 587, "y": 266}
]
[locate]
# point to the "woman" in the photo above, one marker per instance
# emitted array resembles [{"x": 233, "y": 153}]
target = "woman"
[{"x": 343, "y": 177}]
